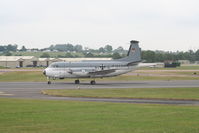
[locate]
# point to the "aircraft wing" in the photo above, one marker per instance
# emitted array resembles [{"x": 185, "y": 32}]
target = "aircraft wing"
[{"x": 102, "y": 72}]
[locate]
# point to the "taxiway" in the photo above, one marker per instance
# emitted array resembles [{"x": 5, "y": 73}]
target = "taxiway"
[{"x": 32, "y": 90}]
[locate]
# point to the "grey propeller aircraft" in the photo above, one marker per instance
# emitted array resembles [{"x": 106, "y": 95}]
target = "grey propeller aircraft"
[{"x": 95, "y": 68}]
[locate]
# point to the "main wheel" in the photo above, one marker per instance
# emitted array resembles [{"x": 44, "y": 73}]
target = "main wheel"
[
  {"x": 49, "y": 82},
  {"x": 93, "y": 82},
  {"x": 77, "y": 82}
]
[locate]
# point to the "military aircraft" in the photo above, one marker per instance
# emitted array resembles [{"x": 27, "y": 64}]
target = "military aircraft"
[{"x": 95, "y": 68}]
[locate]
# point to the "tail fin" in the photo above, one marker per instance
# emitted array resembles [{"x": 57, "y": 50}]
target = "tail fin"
[{"x": 134, "y": 53}]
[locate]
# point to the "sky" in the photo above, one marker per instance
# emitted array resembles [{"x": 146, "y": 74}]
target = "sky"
[{"x": 169, "y": 25}]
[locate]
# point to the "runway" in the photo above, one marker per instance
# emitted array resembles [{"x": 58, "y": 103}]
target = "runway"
[{"x": 32, "y": 90}]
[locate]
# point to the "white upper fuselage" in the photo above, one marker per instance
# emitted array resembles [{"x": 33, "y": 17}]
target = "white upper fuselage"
[{"x": 88, "y": 69}]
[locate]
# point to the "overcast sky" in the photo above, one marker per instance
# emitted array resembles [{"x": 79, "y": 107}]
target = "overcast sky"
[{"x": 168, "y": 25}]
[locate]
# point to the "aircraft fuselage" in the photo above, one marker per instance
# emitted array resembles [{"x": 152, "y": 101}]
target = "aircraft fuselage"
[
  {"x": 95, "y": 68},
  {"x": 89, "y": 69}
]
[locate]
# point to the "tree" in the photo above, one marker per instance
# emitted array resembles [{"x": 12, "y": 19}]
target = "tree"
[
  {"x": 11, "y": 47},
  {"x": 191, "y": 55},
  {"x": 8, "y": 53},
  {"x": 60, "y": 56},
  {"x": 60, "y": 47},
  {"x": 63, "y": 47},
  {"x": 45, "y": 55},
  {"x": 148, "y": 55},
  {"x": 108, "y": 48},
  {"x": 89, "y": 54},
  {"x": 101, "y": 50},
  {"x": 51, "y": 48},
  {"x": 23, "y": 48},
  {"x": 181, "y": 56},
  {"x": 116, "y": 55},
  {"x": 69, "y": 47},
  {"x": 78, "y": 48},
  {"x": 68, "y": 55},
  {"x": 197, "y": 55},
  {"x": 120, "y": 49},
  {"x": 158, "y": 57},
  {"x": 2, "y": 48}
]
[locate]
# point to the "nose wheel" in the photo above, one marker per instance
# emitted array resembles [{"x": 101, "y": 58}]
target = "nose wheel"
[
  {"x": 93, "y": 82},
  {"x": 49, "y": 82}
]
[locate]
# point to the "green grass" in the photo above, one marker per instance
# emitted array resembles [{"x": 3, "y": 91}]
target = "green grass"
[
  {"x": 37, "y": 76},
  {"x": 188, "y": 67},
  {"x": 167, "y": 73},
  {"x": 2, "y": 67},
  {"x": 34, "y": 76},
  {"x": 152, "y": 93},
  {"x": 35, "y": 116},
  {"x": 141, "y": 77}
]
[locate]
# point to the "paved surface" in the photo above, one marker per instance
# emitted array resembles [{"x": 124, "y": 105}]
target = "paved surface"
[{"x": 32, "y": 90}]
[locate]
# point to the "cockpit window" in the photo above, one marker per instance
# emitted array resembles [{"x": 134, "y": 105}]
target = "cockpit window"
[
  {"x": 57, "y": 65},
  {"x": 53, "y": 66}
]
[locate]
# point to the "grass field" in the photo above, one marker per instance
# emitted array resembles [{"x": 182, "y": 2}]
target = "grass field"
[
  {"x": 182, "y": 67},
  {"x": 1, "y": 67},
  {"x": 34, "y": 76},
  {"x": 153, "y": 93},
  {"x": 35, "y": 116},
  {"x": 37, "y": 76}
]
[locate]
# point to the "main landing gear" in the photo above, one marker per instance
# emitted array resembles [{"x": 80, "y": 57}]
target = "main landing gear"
[
  {"x": 93, "y": 82},
  {"x": 77, "y": 81}
]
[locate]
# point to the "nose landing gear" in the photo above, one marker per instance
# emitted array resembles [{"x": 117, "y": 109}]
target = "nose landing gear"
[
  {"x": 44, "y": 72},
  {"x": 49, "y": 82}
]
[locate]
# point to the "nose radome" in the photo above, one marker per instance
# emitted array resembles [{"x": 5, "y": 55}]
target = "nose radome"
[{"x": 44, "y": 72}]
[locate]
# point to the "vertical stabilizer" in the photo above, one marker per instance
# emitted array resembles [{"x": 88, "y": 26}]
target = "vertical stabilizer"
[{"x": 134, "y": 53}]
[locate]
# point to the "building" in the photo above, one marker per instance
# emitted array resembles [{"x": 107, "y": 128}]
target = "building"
[
  {"x": 196, "y": 62},
  {"x": 31, "y": 61},
  {"x": 184, "y": 61},
  {"x": 44, "y": 62},
  {"x": 80, "y": 59},
  {"x": 18, "y": 61}
]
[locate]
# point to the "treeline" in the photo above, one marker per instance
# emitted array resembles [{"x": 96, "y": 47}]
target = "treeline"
[
  {"x": 161, "y": 56},
  {"x": 62, "y": 48},
  {"x": 65, "y": 48},
  {"x": 106, "y": 51},
  {"x": 9, "y": 47},
  {"x": 79, "y": 48},
  {"x": 69, "y": 49}
]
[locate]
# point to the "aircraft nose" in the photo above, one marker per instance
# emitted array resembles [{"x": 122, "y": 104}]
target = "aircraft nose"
[{"x": 44, "y": 72}]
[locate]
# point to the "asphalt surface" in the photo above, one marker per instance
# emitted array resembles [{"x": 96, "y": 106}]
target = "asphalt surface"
[{"x": 32, "y": 90}]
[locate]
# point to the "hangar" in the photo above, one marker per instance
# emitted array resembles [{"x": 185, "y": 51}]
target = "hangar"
[
  {"x": 32, "y": 61},
  {"x": 18, "y": 61},
  {"x": 44, "y": 62}
]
